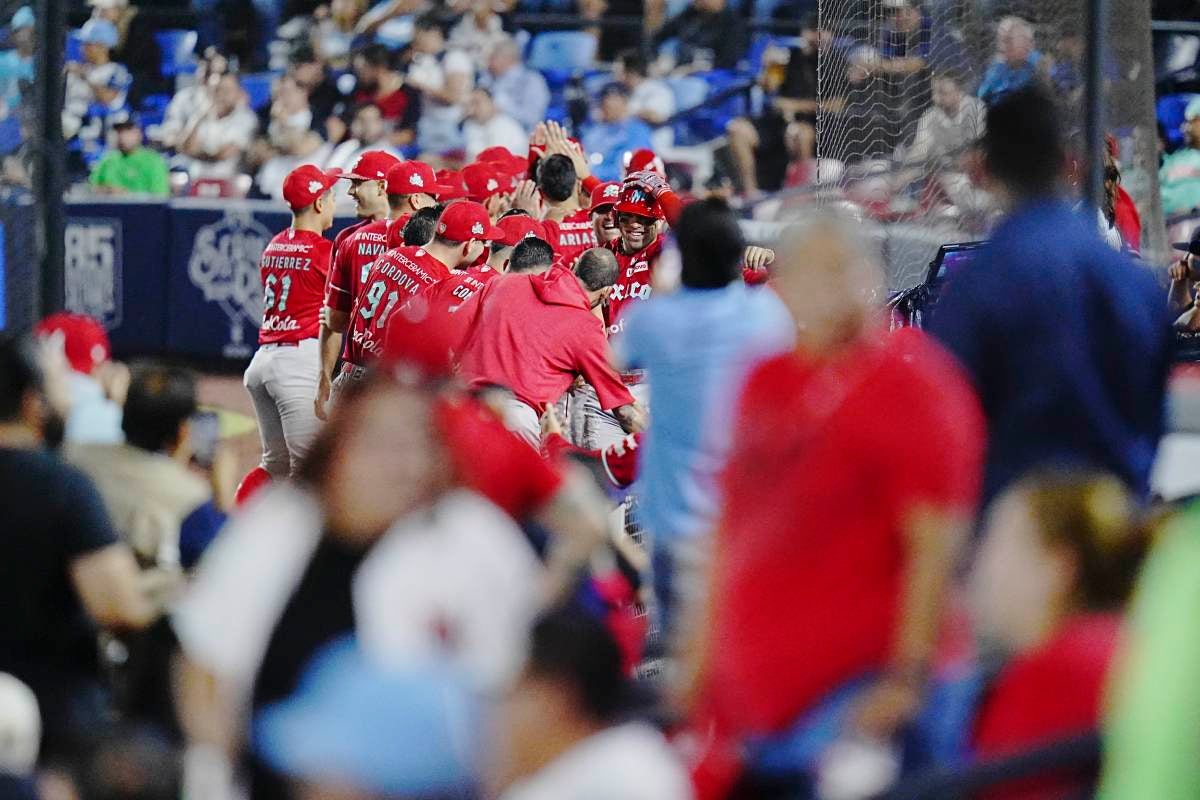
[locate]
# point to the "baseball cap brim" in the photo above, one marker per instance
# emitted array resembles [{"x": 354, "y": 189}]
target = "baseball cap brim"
[
  {"x": 1187, "y": 247},
  {"x": 494, "y": 233}
]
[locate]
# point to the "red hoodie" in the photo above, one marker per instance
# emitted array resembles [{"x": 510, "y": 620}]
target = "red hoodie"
[{"x": 534, "y": 334}]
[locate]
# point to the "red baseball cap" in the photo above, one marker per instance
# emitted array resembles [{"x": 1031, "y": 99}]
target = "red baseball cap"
[
  {"x": 497, "y": 153},
  {"x": 644, "y": 158},
  {"x": 306, "y": 183},
  {"x": 414, "y": 177},
  {"x": 604, "y": 197},
  {"x": 483, "y": 181},
  {"x": 373, "y": 165},
  {"x": 452, "y": 180},
  {"x": 636, "y": 200},
  {"x": 85, "y": 343},
  {"x": 467, "y": 220},
  {"x": 518, "y": 227}
]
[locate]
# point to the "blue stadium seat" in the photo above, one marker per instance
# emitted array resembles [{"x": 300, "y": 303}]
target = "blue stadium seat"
[
  {"x": 74, "y": 50},
  {"x": 562, "y": 51},
  {"x": 178, "y": 47},
  {"x": 153, "y": 108},
  {"x": 1170, "y": 110},
  {"x": 258, "y": 88}
]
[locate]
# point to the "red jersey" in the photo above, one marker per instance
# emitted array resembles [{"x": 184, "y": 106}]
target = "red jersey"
[
  {"x": 571, "y": 237},
  {"x": 450, "y": 304},
  {"x": 534, "y": 334},
  {"x": 819, "y": 489},
  {"x": 351, "y": 260},
  {"x": 633, "y": 280},
  {"x": 395, "y": 231},
  {"x": 394, "y": 276},
  {"x": 491, "y": 460},
  {"x": 293, "y": 269}
]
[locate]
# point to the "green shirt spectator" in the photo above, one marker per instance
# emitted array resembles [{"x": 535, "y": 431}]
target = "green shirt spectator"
[
  {"x": 130, "y": 167},
  {"x": 1152, "y": 734},
  {"x": 1179, "y": 176}
]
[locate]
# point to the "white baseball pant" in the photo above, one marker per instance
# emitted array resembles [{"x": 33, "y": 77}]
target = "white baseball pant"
[
  {"x": 522, "y": 419},
  {"x": 599, "y": 429},
  {"x": 282, "y": 382}
]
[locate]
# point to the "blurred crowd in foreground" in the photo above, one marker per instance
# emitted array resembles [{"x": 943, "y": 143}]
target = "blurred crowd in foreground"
[{"x": 870, "y": 560}]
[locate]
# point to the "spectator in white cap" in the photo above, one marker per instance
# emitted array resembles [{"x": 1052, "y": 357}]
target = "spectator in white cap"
[
  {"x": 136, "y": 46},
  {"x": 16, "y": 65},
  {"x": 98, "y": 81}
]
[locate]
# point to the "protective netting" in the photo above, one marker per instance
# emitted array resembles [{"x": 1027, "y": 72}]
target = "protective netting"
[
  {"x": 21, "y": 96},
  {"x": 903, "y": 87}
]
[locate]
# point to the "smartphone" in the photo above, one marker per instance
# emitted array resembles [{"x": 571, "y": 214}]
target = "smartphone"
[{"x": 205, "y": 428}]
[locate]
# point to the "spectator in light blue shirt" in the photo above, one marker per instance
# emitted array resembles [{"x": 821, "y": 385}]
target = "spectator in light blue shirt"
[
  {"x": 517, "y": 90},
  {"x": 697, "y": 345},
  {"x": 616, "y": 133},
  {"x": 1067, "y": 340},
  {"x": 16, "y": 65},
  {"x": 1017, "y": 61}
]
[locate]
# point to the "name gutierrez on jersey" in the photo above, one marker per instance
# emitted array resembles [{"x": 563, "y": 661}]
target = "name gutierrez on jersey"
[{"x": 285, "y": 262}]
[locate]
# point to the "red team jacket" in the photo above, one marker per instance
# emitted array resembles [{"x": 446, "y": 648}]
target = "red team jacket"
[
  {"x": 293, "y": 269},
  {"x": 534, "y": 334},
  {"x": 393, "y": 277},
  {"x": 447, "y": 308}
]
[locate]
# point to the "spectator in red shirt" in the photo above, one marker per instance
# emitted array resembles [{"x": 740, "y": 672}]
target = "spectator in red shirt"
[
  {"x": 1058, "y": 561},
  {"x": 841, "y": 523},
  {"x": 381, "y": 84},
  {"x": 534, "y": 333}
]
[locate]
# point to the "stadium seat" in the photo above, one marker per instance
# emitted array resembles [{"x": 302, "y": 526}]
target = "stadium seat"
[
  {"x": 153, "y": 108},
  {"x": 74, "y": 49},
  {"x": 562, "y": 51},
  {"x": 258, "y": 88},
  {"x": 178, "y": 47},
  {"x": 1170, "y": 110}
]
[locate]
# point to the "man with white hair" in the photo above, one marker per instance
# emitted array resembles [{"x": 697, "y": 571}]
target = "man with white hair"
[
  {"x": 1017, "y": 60},
  {"x": 823, "y": 586},
  {"x": 517, "y": 90}
]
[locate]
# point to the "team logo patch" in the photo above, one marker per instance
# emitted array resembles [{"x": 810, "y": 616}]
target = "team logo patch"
[
  {"x": 314, "y": 187},
  {"x": 492, "y": 185},
  {"x": 477, "y": 229},
  {"x": 441, "y": 227},
  {"x": 416, "y": 180},
  {"x": 612, "y": 191}
]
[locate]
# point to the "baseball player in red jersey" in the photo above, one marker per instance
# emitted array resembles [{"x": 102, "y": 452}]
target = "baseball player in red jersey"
[
  {"x": 568, "y": 223},
  {"x": 446, "y": 309},
  {"x": 368, "y": 187},
  {"x": 604, "y": 197},
  {"x": 282, "y": 377},
  {"x": 399, "y": 274}
]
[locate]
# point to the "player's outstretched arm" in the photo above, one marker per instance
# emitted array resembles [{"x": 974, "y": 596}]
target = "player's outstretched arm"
[{"x": 333, "y": 325}]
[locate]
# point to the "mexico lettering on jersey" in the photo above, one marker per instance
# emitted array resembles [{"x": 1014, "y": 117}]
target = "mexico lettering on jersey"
[
  {"x": 449, "y": 306},
  {"x": 633, "y": 281},
  {"x": 351, "y": 260},
  {"x": 394, "y": 276},
  {"x": 293, "y": 269},
  {"x": 571, "y": 237}
]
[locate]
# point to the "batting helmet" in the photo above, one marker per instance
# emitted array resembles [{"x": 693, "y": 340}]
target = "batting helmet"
[{"x": 636, "y": 200}]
